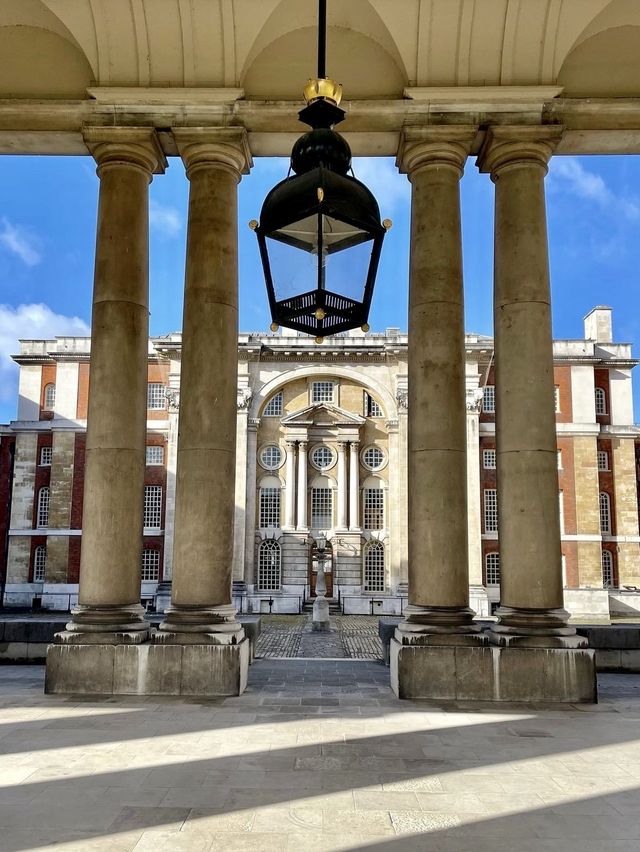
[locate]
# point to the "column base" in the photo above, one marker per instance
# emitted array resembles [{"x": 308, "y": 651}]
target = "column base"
[
  {"x": 320, "y": 619},
  {"x": 490, "y": 673},
  {"x": 534, "y": 628},
  {"x": 105, "y": 625},
  {"x": 148, "y": 669},
  {"x": 199, "y": 625},
  {"x": 437, "y": 620}
]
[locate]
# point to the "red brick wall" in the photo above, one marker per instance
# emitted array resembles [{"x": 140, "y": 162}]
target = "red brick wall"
[
  {"x": 48, "y": 377},
  {"x": 601, "y": 380},
  {"x": 158, "y": 373},
  {"x": 7, "y": 447},
  {"x": 83, "y": 391},
  {"x": 562, "y": 380}
]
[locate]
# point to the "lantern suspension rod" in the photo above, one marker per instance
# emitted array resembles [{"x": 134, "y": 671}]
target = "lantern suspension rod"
[{"x": 322, "y": 38}]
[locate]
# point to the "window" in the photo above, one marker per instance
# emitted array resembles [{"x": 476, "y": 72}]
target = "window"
[
  {"x": 373, "y": 508},
  {"x": 605, "y": 513},
  {"x": 373, "y": 458},
  {"x": 39, "y": 563},
  {"x": 608, "y": 581},
  {"x": 151, "y": 564},
  {"x": 490, "y": 510},
  {"x": 489, "y": 399},
  {"x": 489, "y": 459},
  {"x": 556, "y": 398},
  {"x": 152, "y": 506},
  {"x": 155, "y": 454},
  {"x": 269, "y": 566},
  {"x": 323, "y": 458},
  {"x": 492, "y": 569},
  {"x": 559, "y": 459},
  {"x": 603, "y": 460},
  {"x": 561, "y": 510},
  {"x": 322, "y": 392},
  {"x": 274, "y": 407},
  {"x": 271, "y": 457},
  {"x": 43, "y": 507},
  {"x": 321, "y": 508},
  {"x": 49, "y": 397},
  {"x": 601, "y": 401},
  {"x": 269, "y": 507},
  {"x": 46, "y": 456},
  {"x": 374, "y": 566},
  {"x": 371, "y": 407},
  {"x": 156, "y": 400}
]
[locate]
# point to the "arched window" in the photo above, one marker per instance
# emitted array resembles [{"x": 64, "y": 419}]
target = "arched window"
[
  {"x": 39, "y": 563},
  {"x": 374, "y": 566},
  {"x": 49, "y": 397},
  {"x": 269, "y": 566},
  {"x": 605, "y": 513},
  {"x": 601, "y": 401},
  {"x": 269, "y": 502},
  {"x": 274, "y": 407},
  {"x": 373, "y": 504},
  {"x": 43, "y": 507},
  {"x": 608, "y": 581},
  {"x": 150, "y": 564},
  {"x": 492, "y": 569}
]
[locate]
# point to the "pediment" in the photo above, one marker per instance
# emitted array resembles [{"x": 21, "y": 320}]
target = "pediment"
[{"x": 323, "y": 414}]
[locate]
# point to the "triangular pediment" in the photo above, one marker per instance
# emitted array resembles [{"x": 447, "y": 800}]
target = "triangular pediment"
[{"x": 323, "y": 414}]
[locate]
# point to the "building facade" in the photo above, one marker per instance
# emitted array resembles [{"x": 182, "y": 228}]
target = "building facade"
[{"x": 321, "y": 449}]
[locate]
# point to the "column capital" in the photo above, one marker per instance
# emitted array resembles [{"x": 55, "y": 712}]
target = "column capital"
[
  {"x": 290, "y": 445},
  {"x": 505, "y": 147},
  {"x": 302, "y": 446},
  {"x": 218, "y": 147},
  {"x": 354, "y": 446},
  {"x": 342, "y": 446},
  {"x": 434, "y": 147},
  {"x": 132, "y": 146}
]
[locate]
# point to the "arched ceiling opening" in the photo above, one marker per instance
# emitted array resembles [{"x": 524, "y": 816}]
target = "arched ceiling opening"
[{"x": 605, "y": 65}]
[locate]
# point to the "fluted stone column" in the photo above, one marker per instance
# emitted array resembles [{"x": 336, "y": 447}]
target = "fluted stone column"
[
  {"x": 354, "y": 486},
  {"x": 201, "y": 609},
  {"x": 530, "y": 552},
  {"x": 437, "y": 470},
  {"x": 342, "y": 485},
  {"x": 109, "y": 610},
  {"x": 290, "y": 487},
  {"x": 302, "y": 486}
]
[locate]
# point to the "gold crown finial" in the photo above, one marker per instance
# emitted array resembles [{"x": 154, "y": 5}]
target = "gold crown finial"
[{"x": 323, "y": 87}]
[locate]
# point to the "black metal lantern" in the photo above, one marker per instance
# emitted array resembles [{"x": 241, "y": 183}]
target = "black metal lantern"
[{"x": 320, "y": 233}]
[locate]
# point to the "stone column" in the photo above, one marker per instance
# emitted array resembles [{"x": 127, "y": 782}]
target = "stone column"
[
  {"x": 302, "y": 485},
  {"x": 109, "y": 608},
  {"x": 527, "y": 463},
  {"x": 290, "y": 487},
  {"x": 354, "y": 486},
  {"x": 342, "y": 485},
  {"x": 437, "y": 470},
  {"x": 201, "y": 609}
]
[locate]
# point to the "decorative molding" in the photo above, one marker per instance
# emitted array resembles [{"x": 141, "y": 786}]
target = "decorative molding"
[
  {"x": 244, "y": 398},
  {"x": 172, "y": 395},
  {"x": 402, "y": 398},
  {"x": 474, "y": 400}
]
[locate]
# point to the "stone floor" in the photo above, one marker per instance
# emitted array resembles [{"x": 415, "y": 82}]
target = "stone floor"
[
  {"x": 316, "y": 755},
  {"x": 350, "y": 636}
]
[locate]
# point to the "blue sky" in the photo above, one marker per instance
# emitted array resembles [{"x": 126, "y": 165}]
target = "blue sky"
[{"x": 47, "y": 236}]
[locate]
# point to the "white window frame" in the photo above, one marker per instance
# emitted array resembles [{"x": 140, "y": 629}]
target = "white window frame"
[
  {"x": 274, "y": 406},
  {"x": 556, "y": 398},
  {"x": 321, "y": 498},
  {"x": 373, "y": 567},
  {"x": 366, "y": 451},
  {"x": 561, "y": 510},
  {"x": 559, "y": 452},
  {"x": 608, "y": 575},
  {"x": 492, "y": 568},
  {"x": 156, "y": 450},
  {"x": 269, "y": 507},
  {"x": 44, "y": 497},
  {"x": 319, "y": 392},
  {"x": 600, "y": 400},
  {"x": 156, "y": 399},
  {"x": 489, "y": 399},
  {"x": 373, "y": 509},
  {"x": 49, "y": 398},
  {"x": 325, "y": 449},
  {"x": 152, "y": 507},
  {"x": 39, "y": 563},
  {"x": 269, "y": 566},
  {"x": 273, "y": 465},
  {"x": 372, "y": 407},
  {"x": 490, "y": 509},
  {"x": 46, "y": 456},
  {"x": 150, "y": 565},
  {"x": 604, "y": 503},
  {"x": 603, "y": 460},
  {"x": 489, "y": 459}
]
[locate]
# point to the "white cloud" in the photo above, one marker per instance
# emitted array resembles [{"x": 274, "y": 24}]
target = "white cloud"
[
  {"x": 26, "y": 321},
  {"x": 390, "y": 188},
  {"x": 165, "y": 219},
  {"x": 19, "y": 242},
  {"x": 591, "y": 186}
]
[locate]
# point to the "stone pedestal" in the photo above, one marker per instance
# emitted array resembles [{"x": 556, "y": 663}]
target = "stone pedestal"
[{"x": 320, "y": 619}]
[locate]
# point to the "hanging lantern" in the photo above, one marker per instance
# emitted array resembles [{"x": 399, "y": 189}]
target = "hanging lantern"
[{"x": 320, "y": 233}]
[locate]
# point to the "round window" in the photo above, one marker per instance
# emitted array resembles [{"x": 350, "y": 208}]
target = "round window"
[
  {"x": 373, "y": 458},
  {"x": 271, "y": 457},
  {"x": 322, "y": 458}
]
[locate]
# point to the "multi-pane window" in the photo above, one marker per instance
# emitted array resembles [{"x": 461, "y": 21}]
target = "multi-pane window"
[
  {"x": 561, "y": 511},
  {"x": 274, "y": 407},
  {"x": 39, "y": 563},
  {"x": 156, "y": 399},
  {"x": 322, "y": 458},
  {"x": 150, "y": 564},
  {"x": 490, "y": 510},
  {"x": 608, "y": 581},
  {"x": 155, "y": 454},
  {"x": 269, "y": 507},
  {"x": 271, "y": 457},
  {"x": 321, "y": 508},
  {"x": 374, "y": 566},
  {"x": 152, "y": 506},
  {"x": 322, "y": 392},
  {"x": 601, "y": 401},
  {"x": 492, "y": 569},
  {"x": 373, "y": 458},
  {"x": 489, "y": 399},
  {"x": 605, "y": 513},
  {"x": 50, "y": 397},
  {"x": 603, "y": 460},
  {"x": 269, "y": 566},
  {"x": 489, "y": 459},
  {"x": 556, "y": 398},
  {"x": 46, "y": 456},
  {"x": 559, "y": 452},
  {"x": 371, "y": 407},
  {"x": 43, "y": 507},
  {"x": 373, "y": 508}
]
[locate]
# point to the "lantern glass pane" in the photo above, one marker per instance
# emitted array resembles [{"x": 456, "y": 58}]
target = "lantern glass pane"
[
  {"x": 293, "y": 272},
  {"x": 346, "y": 271}
]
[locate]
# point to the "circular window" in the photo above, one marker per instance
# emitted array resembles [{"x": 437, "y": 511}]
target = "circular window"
[
  {"x": 374, "y": 458},
  {"x": 271, "y": 457},
  {"x": 323, "y": 458}
]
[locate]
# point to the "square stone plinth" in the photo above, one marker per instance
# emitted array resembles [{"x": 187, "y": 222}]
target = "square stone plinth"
[
  {"x": 148, "y": 669},
  {"x": 489, "y": 673}
]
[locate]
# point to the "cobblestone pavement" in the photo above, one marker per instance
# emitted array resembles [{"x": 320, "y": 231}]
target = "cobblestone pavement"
[{"x": 351, "y": 636}]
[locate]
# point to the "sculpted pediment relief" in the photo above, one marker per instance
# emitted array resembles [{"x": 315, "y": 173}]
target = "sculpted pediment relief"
[{"x": 323, "y": 414}]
